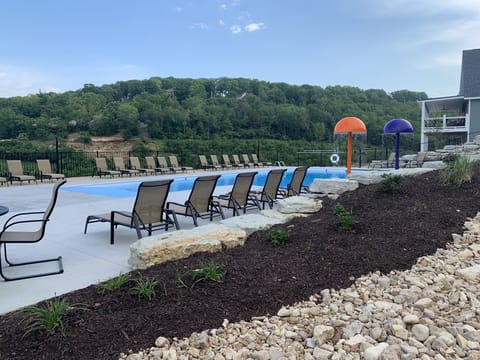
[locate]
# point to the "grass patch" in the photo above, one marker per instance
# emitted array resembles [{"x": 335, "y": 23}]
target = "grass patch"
[
  {"x": 208, "y": 272},
  {"x": 114, "y": 284},
  {"x": 144, "y": 288},
  {"x": 459, "y": 170}
]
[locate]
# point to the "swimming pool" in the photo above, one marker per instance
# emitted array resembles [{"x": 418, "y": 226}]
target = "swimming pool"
[{"x": 126, "y": 189}]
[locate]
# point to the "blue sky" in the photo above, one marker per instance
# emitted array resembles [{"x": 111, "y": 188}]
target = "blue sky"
[{"x": 60, "y": 45}]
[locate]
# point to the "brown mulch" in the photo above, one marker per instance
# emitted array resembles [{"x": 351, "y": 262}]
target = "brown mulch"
[{"x": 391, "y": 232}]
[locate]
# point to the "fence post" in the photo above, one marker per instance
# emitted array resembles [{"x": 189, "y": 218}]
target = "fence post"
[{"x": 56, "y": 152}]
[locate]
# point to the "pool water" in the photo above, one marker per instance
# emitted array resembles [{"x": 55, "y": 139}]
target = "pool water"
[{"x": 129, "y": 188}]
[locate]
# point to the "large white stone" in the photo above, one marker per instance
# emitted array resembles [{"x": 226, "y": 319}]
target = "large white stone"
[
  {"x": 322, "y": 333},
  {"x": 299, "y": 204},
  {"x": 332, "y": 186},
  {"x": 180, "y": 244},
  {"x": 367, "y": 177},
  {"x": 434, "y": 165},
  {"x": 470, "y": 273},
  {"x": 374, "y": 352},
  {"x": 252, "y": 222},
  {"x": 275, "y": 214}
]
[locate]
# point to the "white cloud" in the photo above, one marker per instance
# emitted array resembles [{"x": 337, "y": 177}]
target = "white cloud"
[
  {"x": 221, "y": 22},
  {"x": 443, "y": 28},
  {"x": 235, "y": 29},
  {"x": 178, "y": 9},
  {"x": 424, "y": 7},
  {"x": 254, "y": 26},
  {"x": 16, "y": 81},
  {"x": 449, "y": 59},
  {"x": 232, "y": 4},
  {"x": 200, "y": 25}
]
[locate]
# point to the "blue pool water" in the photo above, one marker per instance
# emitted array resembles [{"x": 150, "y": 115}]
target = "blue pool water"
[{"x": 129, "y": 189}]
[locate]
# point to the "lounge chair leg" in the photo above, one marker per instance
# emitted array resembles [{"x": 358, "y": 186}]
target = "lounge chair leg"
[
  {"x": 6, "y": 278},
  {"x": 174, "y": 217},
  {"x": 112, "y": 227}
]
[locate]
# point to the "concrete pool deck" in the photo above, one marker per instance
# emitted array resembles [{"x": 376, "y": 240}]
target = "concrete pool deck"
[{"x": 87, "y": 258}]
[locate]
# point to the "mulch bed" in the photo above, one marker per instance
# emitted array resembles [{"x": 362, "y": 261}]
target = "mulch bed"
[{"x": 390, "y": 233}]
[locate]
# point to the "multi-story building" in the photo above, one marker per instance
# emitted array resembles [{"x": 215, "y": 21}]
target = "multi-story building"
[{"x": 455, "y": 118}]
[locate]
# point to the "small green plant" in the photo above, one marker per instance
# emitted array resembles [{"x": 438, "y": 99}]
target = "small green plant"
[
  {"x": 144, "y": 288},
  {"x": 459, "y": 170},
  {"x": 390, "y": 183},
  {"x": 48, "y": 318},
  {"x": 279, "y": 236},
  {"x": 180, "y": 283},
  {"x": 113, "y": 284},
  {"x": 345, "y": 217},
  {"x": 210, "y": 271}
]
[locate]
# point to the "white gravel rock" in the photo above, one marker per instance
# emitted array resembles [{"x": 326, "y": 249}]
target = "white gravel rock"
[{"x": 429, "y": 312}]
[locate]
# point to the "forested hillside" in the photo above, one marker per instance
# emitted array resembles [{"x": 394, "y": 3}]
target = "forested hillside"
[{"x": 210, "y": 109}]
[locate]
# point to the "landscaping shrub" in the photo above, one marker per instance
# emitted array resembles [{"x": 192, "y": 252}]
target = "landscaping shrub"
[
  {"x": 459, "y": 171},
  {"x": 390, "y": 183},
  {"x": 48, "y": 319},
  {"x": 345, "y": 217},
  {"x": 279, "y": 236}
]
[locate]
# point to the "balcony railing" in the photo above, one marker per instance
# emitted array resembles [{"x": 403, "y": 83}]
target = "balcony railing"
[{"x": 445, "y": 124}]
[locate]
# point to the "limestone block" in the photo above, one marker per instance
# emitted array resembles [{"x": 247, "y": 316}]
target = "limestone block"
[
  {"x": 367, "y": 177},
  {"x": 251, "y": 222},
  {"x": 180, "y": 244},
  {"x": 333, "y": 186},
  {"x": 470, "y": 147},
  {"x": 283, "y": 217},
  {"x": 434, "y": 165},
  {"x": 298, "y": 204}
]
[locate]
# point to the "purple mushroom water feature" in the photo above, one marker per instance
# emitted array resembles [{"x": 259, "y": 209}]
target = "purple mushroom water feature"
[{"x": 397, "y": 127}]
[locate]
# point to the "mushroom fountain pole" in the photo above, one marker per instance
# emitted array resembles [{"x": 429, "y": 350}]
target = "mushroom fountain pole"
[
  {"x": 397, "y": 127},
  {"x": 349, "y": 125}
]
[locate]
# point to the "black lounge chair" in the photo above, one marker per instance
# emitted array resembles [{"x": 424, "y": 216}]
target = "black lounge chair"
[
  {"x": 148, "y": 211},
  {"x": 239, "y": 198},
  {"x": 10, "y": 235},
  {"x": 270, "y": 191},
  {"x": 200, "y": 203},
  {"x": 295, "y": 186}
]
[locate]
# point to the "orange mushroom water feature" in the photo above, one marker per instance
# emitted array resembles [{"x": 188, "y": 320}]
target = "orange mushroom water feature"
[{"x": 349, "y": 125}]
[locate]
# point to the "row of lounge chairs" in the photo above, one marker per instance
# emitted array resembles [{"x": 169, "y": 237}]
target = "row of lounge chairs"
[
  {"x": 16, "y": 173},
  {"x": 151, "y": 211},
  {"x": 215, "y": 164},
  {"x": 172, "y": 166},
  {"x": 136, "y": 168},
  {"x": 390, "y": 162}
]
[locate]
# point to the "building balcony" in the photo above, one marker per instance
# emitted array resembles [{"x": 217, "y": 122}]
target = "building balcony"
[{"x": 445, "y": 124}]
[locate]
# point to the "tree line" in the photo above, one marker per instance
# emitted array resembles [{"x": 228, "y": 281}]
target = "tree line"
[{"x": 161, "y": 109}]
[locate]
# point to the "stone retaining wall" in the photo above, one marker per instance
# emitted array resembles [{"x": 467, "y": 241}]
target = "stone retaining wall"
[{"x": 225, "y": 234}]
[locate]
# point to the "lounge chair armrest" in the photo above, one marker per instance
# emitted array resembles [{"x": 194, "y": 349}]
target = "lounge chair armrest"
[
  {"x": 16, "y": 216},
  {"x": 175, "y": 203},
  {"x": 283, "y": 192},
  {"x": 170, "y": 212},
  {"x": 223, "y": 196},
  {"x": 15, "y": 223},
  {"x": 124, "y": 213}
]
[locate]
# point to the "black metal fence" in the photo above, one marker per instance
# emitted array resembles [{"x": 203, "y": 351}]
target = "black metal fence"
[{"x": 82, "y": 163}]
